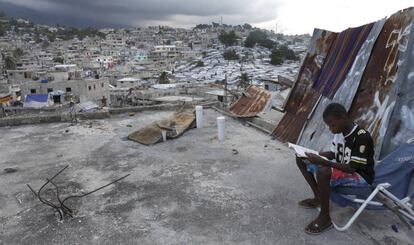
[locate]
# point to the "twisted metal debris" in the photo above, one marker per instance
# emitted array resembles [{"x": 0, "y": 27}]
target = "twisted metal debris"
[{"x": 62, "y": 209}]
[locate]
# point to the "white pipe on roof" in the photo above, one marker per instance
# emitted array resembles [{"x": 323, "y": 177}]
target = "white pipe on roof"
[
  {"x": 199, "y": 116},
  {"x": 220, "y": 128}
]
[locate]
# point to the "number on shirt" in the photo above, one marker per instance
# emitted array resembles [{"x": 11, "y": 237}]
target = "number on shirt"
[{"x": 343, "y": 156}]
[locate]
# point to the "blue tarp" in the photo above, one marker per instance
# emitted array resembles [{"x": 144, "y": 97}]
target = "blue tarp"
[
  {"x": 397, "y": 169},
  {"x": 36, "y": 98}
]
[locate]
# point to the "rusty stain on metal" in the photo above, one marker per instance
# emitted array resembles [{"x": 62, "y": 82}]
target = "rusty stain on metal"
[
  {"x": 303, "y": 97},
  {"x": 251, "y": 104},
  {"x": 400, "y": 127},
  {"x": 376, "y": 96}
]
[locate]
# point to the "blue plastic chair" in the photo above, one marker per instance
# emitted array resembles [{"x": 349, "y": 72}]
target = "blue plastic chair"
[{"x": 390, "y": 189}]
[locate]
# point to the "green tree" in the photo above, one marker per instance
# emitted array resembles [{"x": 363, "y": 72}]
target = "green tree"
[
  {"x": 199, "y": 63},
  {"x": 230, "y": 55},
  {"x": 267, "y": 43},
  {"x": 276, "y": 58},
  {"x": 51, "y": 36},
  {"x": 249, "y": 42},
  {"x": 9, "y": 63},
  {"x": 282, "y": 53},
  {"x": 289, "y": 53},
  {"x": 58, "y": 60},
  {"x": 163, "y": 79},
  {"x": 256, "y": 36},
  {"x": 215, "y": 24},
  {"x": 18, "y": 52},
  {"x": 247, "y": 26},
  {"x": 228, "y": 39},
  {"x": 244, "y": 80},
  {"x": 202, "y": 26}
]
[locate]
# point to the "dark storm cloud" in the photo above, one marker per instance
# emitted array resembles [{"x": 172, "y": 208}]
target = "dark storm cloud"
[{"x": 144, "y": 12}]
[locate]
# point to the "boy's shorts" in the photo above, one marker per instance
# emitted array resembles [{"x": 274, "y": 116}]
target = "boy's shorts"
[{"x": 339, "y": 178}]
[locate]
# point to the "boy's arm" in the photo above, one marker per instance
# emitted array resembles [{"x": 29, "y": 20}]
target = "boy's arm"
[
  {"x": 328, "y": 154},
  {"x": 347, "y": 168},
  {"x": 313, "y": 158}
]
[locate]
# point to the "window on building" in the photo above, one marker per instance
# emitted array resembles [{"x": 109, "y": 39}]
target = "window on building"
[
  {"x": 266, "y": 86},
  {"x": 50, "y": 90},
  {"x": 68, "y": 89},
  {"x": 32, "y": 91},
  {"x": 89, "y": 87},
  {"x": 102, "y": 85}
]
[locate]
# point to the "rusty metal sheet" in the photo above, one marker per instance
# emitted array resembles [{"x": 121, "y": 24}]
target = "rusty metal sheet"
[
  {"x": 316, "y": 134},
  {"x": 303, "y": 97},
  {"x": 377, "y": 93},
  {"x": 340, "y": 58},
  {"x": 251, "y": 104},
  {"x": 401, "y": 123},
  {"x": 175, "y": 126},
  {"x": 6, "y": 99}
]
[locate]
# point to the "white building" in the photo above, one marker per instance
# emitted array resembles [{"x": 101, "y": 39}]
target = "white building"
[
  {"x": 84, "y": 90},
  {"x": 105, "y": 61}
]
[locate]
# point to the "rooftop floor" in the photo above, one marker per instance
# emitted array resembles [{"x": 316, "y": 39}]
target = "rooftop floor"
[{"x": 192, "y": 190}]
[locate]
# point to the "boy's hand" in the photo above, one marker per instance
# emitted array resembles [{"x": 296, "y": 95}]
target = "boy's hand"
[
  {"x": 315, "y": 159},
  {"x": 328, "y": 154}
]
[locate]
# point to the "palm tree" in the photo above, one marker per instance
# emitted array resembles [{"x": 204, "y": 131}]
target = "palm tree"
[
  {"x": 163, "y": 79},
  {"x": 244, "y": 80}
]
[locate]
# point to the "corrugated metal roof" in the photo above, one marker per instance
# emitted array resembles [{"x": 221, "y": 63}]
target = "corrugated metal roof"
[
  {"x": 316, "y": 134},
  {"x": 249, "y": 106},
  {"x": 303, "y": 97}
]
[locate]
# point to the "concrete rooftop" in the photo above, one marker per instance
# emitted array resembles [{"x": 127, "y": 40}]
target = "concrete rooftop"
[{"x": 192, "y": 190}]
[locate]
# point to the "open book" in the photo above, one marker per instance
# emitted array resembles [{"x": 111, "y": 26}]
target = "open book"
[{"x": 300, "y": 151}]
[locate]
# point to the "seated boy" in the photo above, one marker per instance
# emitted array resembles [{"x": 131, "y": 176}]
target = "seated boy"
[{"x": 351, "y": 163}]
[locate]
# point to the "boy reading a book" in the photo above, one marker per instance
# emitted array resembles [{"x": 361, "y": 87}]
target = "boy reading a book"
[{"x": 351, "y": 163}]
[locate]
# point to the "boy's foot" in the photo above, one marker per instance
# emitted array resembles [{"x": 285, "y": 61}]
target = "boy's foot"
[
  {"x": 309, "y": 203},
  {"x": 318, "y": 226}
]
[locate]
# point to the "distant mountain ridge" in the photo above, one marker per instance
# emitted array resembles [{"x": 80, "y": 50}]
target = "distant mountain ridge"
[{"x": 16, "y": 11}]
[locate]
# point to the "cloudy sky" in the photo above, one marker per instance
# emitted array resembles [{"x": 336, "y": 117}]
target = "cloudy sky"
[{"x": 288, "y": 16}]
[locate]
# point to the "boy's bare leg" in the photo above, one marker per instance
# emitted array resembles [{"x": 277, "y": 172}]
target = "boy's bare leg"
[
  {"x": 310, "y": 179},
  {"x": 324, "y": 189}
]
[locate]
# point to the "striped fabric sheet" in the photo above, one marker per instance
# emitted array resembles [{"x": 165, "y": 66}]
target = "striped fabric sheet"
[{"x": 340, "y": 59}]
